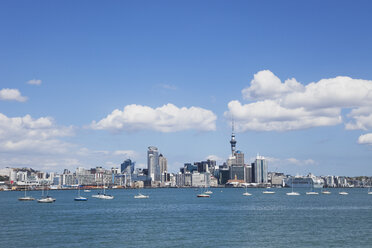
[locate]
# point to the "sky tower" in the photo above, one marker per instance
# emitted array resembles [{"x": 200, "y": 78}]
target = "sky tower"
[{"x": 233, "y": 141}]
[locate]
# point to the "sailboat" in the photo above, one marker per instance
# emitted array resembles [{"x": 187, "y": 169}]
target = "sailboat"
[
  {"x": 369, "y": 190},
  {"x": 312, "y": 192},
  {"x": 292, "y": 193},
  {"x": 246, "y": 192},
  {"x": 46, "y": 199},
  {"x": 103, "y": 196},
  {"x": 26, "y": 198},
  {"x": 208, "y": 192},
  {"x": 343, "y": 193},
  {"x": 268, "y": 191},
  {"x": 79, "y": 197}
]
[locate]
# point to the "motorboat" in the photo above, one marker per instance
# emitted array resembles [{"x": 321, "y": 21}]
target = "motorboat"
[
  {"x": 141, "y": 196},
  {"x": 203, "y": 195},
  {"x": 312, "y": 193},
  {"x": 268, "y": 192},
  {"x": 326, "y": 192},
  {"x": 208, "y": 192}
]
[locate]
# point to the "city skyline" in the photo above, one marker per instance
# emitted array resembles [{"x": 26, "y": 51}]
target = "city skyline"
[{"x": 92, "y": 85}]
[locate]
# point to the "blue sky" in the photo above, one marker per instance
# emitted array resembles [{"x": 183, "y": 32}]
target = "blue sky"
[{"x": 175, "y": 71}]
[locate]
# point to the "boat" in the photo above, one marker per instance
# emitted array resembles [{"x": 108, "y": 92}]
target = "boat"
[
  {"x": 103, "y": 196},
  {"x": 343, "y": 193},
  {"x": 369, "y": 190},
  {"x": 246, "y": 193},
  {"x": 79, "y": 197},
  {"x": 46, "y": 199},
  {"x": 208, "y": 192},
  {"x": 203, "y": 195},
  {"x": 86, "y": 190},
  {"x": 141, "y": 196},
  {"x": 26, "y": 198},
  {"x": 268, "y": 191},
  {"x": 326, "y": 192},
  {"x": 312, "y": 192},
  {"x": 292, "y": 193}
]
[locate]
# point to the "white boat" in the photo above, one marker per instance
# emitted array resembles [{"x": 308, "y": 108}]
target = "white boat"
[
  {"x": 369, "y": 191},
  {"x": 293, "y": 193},
  {"x": 246, "y": 193},
  {"x": 47, "y": 199},
  {"x": 203, "y": 195},
  {"x": 103, "y": 196},
  {"x": 208, "y": 192},
  {"x": 343, "y": 193},
  {"x": 86, "y": 190},
  {"x": 326, "y": 192},
  {"x": 268, "y": 192},
  {"x": 26, "y": 198},
  {"x": 312, "y": 193},
  {"x": 141, "y": 196}
]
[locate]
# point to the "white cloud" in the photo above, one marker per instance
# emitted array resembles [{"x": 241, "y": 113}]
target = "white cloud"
[
  {"x": 12, "y": 95},
  {"x": 168, "y": 118},
  {"x": 365, "y": 139},
  {"x": 28, "y": 134},
  {"x": 216, "y": 158},
  {"x": 168, "y": 86},
  {"x": 278, "y": 106},
  {"x": 34, "y": 82}
]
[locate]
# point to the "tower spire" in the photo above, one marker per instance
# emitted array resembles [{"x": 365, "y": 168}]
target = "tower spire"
[{"x": 232, "y": 141}]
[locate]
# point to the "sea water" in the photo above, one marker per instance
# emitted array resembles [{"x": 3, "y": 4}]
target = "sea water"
[{"x": 177, "y": 218}]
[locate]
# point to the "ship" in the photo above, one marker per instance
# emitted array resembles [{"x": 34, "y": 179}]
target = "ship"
[{"x": 309, "y": 181}]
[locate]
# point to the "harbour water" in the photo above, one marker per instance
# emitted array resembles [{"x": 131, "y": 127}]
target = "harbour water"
[{"x": 176, "y": 217}]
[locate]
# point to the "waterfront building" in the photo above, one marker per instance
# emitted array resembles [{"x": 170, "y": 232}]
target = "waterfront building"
[
  {"x": 309, "y": 181},
  {"x": 152, "y": 161},
  {"x": 259, "y": 170}
]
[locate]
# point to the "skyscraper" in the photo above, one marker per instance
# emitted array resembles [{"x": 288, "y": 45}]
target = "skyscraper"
[
  {"x": 260, "y": 170},
  {"x": 127, "y": 167},
  {"x": 152, "y": 162},
  {"x": 163, "y": 167}
]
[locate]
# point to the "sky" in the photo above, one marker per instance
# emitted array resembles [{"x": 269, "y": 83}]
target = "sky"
[{"x": 92, "y": 83}]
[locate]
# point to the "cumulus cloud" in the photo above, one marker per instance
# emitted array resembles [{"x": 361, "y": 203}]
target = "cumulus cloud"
[
  {"x": 34, "y": 82},
  {"x": 365, "y": 139},
  {"x": 215, "y": 158},
  {"x": 28, "y": 134},
  {"x": 289, "y": 105},
  {"x": 168, "y": 118},
  {"x": 12, "y": 95}
]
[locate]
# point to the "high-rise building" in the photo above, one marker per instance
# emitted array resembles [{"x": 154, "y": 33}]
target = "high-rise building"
[
  {"x": 127, "y": 167},
  {"x": 152, "y": 162},
  {"x": 163, "y": 167},
  {"x": 259, "y": 170}
]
